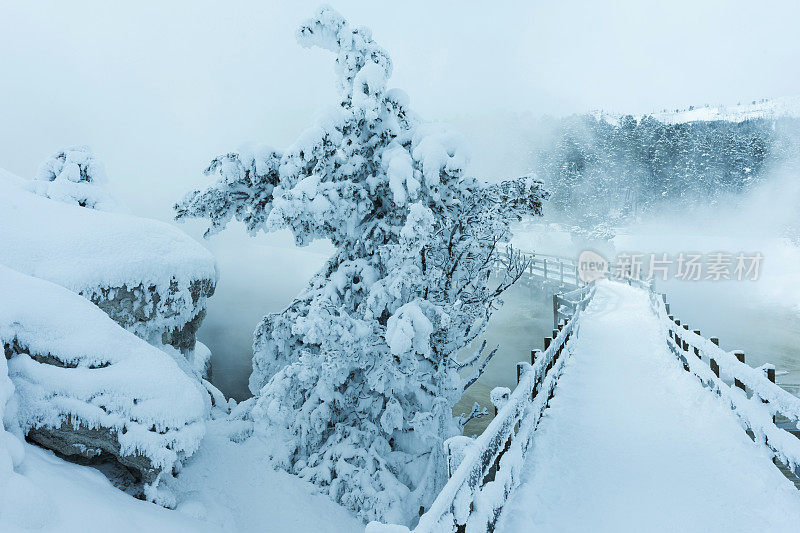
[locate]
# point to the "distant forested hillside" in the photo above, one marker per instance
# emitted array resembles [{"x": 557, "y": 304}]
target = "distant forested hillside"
[{"x": 603, "y": 173}]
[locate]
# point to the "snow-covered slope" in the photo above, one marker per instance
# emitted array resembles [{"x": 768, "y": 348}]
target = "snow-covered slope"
[
  {"x": 149, "y": 276},
  {"x": 788, "y": 106},
  {"x": 71, "y": 363}
]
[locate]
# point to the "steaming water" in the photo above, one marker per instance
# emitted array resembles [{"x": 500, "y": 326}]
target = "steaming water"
[
  {"x": 517, "y": 328},
  {"x": 257, "y": 277}
]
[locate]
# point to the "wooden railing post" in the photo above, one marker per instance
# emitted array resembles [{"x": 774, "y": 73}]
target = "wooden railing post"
[
  {"x": 685, "y": 342},
  {"x": 544, "y": 268},
  {"x": 696, "y": 349},
  {"x": 770, "y": 371},
  {"x": 740, "y": 356},
  {"x": 711, "y": 361},
  {"x": 555, "y": 310},
  {"x": 450, "y": 457}
]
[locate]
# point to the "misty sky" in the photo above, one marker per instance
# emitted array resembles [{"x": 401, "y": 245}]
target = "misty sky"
[{"x": 159, "y": 88}]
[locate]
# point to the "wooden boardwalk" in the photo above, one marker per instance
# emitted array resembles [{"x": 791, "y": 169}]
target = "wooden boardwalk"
[{"x": 630, "y": 442}]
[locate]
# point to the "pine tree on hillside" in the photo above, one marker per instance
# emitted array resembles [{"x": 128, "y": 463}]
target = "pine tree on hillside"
[{"x": 355, "y": 380}]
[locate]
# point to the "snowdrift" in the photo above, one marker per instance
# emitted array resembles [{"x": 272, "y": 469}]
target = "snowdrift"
[
  {"x": 86, "y": 387},
  {"x": 148, "y": 276}
]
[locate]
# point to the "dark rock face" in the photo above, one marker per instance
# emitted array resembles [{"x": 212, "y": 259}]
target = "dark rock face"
[
  {"x": 151, "y": 314},
  {"x": 92, "y": 444},
  {"x": 184, "y": 338}
]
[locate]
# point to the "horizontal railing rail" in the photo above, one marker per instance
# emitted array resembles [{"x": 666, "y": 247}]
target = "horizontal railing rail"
[{"x": 548, "y": 268}]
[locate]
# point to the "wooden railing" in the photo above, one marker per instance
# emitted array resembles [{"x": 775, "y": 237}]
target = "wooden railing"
[
  {"x": 751, "y": 392},
  {"x": 548, "y": 268},
  {"x": 488, "y": 468}
]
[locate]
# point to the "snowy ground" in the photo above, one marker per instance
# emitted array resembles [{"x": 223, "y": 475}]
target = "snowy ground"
[
  {"x": 63, "y": 497},
  {"x": 233, "y": 486},
  {"x": 224, "y": 487},
  {"x": 633, "y": 443}
]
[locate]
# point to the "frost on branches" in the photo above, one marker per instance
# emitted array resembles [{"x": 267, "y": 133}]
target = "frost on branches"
[
  {"x": 75, "y": 176},
  {"x": 356, "y": 379}
]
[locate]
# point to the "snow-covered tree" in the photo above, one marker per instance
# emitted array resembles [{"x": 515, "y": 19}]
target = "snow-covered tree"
[
  {"x": 355, "y": 380},
  {"x": 75, "y": 176}
]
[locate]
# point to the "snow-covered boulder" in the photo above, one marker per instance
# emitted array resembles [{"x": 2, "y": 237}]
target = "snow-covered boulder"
[
  {"x": 86, "y": 387},
  {"x": 150, "y": 277}
]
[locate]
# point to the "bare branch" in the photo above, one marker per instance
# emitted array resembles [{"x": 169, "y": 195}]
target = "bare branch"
[
  {"x": 476, "y": 413},
  {"x": 479, "y": 371},
  {"x": 472, "y": 360}
]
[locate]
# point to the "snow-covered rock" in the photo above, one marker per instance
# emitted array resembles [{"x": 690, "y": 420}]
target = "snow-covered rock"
[
  {"x": 86, "y": 387},
  {"x": 148, "y": 276}
]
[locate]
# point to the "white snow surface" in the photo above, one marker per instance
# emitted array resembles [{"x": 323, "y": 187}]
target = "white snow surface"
[
  {"x": 84, "y": 249},
  {"x": 226, "y": 487},
  {"x": 631, "y": 442},
  {"x": 234, "y": 487}
]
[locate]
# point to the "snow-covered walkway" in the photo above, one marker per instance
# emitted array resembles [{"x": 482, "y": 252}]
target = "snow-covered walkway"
[{"x": 631, "y": 442}]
